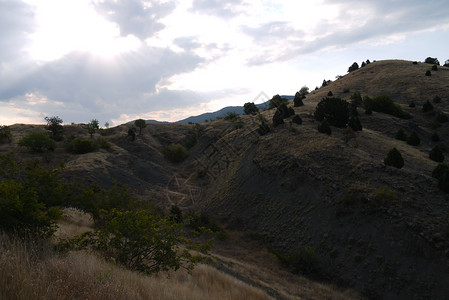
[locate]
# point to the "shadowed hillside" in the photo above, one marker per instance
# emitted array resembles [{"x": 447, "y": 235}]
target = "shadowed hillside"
[{"x": 326, "y": 206}]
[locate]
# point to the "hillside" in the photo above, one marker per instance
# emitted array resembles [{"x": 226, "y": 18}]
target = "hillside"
[{"x": 381, "y": 231}]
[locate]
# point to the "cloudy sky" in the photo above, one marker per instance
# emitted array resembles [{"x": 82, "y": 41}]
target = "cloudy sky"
[{"x": 118, "y": 60}]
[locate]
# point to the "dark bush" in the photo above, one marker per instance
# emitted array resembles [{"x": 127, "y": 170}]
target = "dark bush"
[
  {"x": 435, "y": 137},
  {"x": 5, "y": 134},
  {"x": 356, "y": 99},
  {"x": 385, "y": 104},
  {"x": 250, "y": 108},
  {"x": 441, "y": 117},
  {"x": 324, "y": 127},
  {"x": 412, "y": 104},
  {"x": 437, "y": 99},
  {"x": 432, "y": 61},
  {"x": 176, "y": 214},
  {"x": 415, "y": 62},
  {"x": 175, "y": 153},
  {"x": 394, "y": 159},
  {"x": 303, "y": 261},
  {"x": 434, "y": 68},
  {"x": 230, "y": 115},
  {"x": 353, "y": 67},
  {"x": 334, "y": 110},
  {"x": 141, "y": 124},
  {"x": 297, "y": 101},
  {"x": 80, "y": 146},
  {"x": 297, "y": 119},
  {"x": 400, "y": 135},
  {"x": 368, "y": 111},
  {"x": 428, "y": 73},
  {"x": 436, "y": 154},
  {"x": 330, "y": 94},
  {"x": 413, "y": 139},
  {"x": 131, "y": 134},
  {"x": 277, "y": 118},
  {"x": 440, "y": 170},
  {"x": 427, "y": 106},
  {"x": 355, "y": 124},
  {"x": 277, "y": 101},
  {"x": 37, "y": 142}
]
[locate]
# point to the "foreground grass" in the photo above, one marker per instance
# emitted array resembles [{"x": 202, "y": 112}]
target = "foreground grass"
[{"x": 30, "y": 271}]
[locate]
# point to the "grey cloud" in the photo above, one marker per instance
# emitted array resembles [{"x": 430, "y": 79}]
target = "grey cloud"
[
  {"x": 221, "y": 8},
  {"x": 137, "y": 17},
  {"x": 272, "y": 32},
  {"x": 383, "y": 19},
  {"x": 187, "y": 43},
  {"x": 95, "y": 86}
]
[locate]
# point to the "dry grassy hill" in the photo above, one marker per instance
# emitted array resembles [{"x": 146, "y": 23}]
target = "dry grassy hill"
[{"x": 326, "y": 200}]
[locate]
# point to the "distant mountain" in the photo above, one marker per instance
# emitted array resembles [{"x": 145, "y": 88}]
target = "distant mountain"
[{"x": 222, "y": 112}]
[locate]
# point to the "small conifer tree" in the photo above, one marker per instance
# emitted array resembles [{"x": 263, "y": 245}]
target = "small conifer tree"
[
  {"x": 394, "y": 159},
  {"x": 324, "y": 127},
  {"x": 400, "y": 135},
  {"x": 436, "y": 154},
  {"x": 413, "y": 139},
  {"x": 427, "y": 106}
]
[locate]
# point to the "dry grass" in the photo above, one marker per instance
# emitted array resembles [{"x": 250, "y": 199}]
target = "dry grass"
[{"x": 30, "y": 272}]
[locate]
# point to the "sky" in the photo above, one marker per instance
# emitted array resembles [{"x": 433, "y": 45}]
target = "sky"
[{"x": 120, "y": 60}]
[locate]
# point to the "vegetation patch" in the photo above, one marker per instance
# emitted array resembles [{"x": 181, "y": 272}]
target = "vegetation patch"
[
  {"x": 37, "y": 142},
  {"x": 175, "y": 153},
  {"x": 333, "y": 110},
  {"x": 385, "y": 104},
  {"x": 394, "y": 159},
  {"x": 5, "y": 134}
]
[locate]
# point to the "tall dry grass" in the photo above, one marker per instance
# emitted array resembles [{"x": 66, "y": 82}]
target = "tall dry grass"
[{"x": 34, "y": 271}]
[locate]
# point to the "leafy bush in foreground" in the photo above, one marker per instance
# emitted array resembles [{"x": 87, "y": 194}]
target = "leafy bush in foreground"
[{"x": 37, "y": 142}]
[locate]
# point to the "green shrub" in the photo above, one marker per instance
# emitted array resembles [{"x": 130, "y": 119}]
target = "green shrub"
[
  {"x": 230, "y": 115},
  {"x": 413, "y": 139},
  {"x": 303, "y": 261},
  {"x": 355, "y": 124},
  {"x": 131, "y": 134},
  {"x": 432, "y": 61},
  {"x": 80, "y": 146},
  {"x": 428, "y": 73},
  {"x": 334, "y": 110},
  {"x": 435, "y": 137},
  {"x": 102, "y": 143},
  {"x": 394, "y": 159},
  {"x": 37, "y": 142},
  {"x": 427, "y": 106},
  {"x": 5, "y": 134},
  {"x": 250, "y": 108},
  {"x": 441, "y": 172},
  {"x": 356, "y": 99},
  {"x": 385, "y": 104},
  {"x": 348, "y": 134},
  {"x": 384, "y": 195},
  {"x": 412, "y": 104},
  {"x": 143, "y": 241},
  {"x": 330, "y": 94},
  {"x": 400, "y": 135},
  {"x": 434, "y": 68},
  {"x": 436, "y": 154},
  {"x": 324, "y": 127},
  {"x": 437, "y": 99},
  {"x": 277, "y": 118},
  {"x": 175, "y": 153},
  {"x": 92, "y": 127},
  {"x": 176, "y": 214},
  {"x": 297, "y": 120}
]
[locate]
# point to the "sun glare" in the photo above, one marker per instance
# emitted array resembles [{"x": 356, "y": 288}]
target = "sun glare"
[{"x": 64, "y": 26}]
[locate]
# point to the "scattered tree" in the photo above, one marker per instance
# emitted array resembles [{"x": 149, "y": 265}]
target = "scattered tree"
[
  {"x": 132, "y": 134},
  {"x": 434, "y": 68},
  {"x": 441, "y": 172},
  {"x": 446, "y": 63},
  {"x": 356, "y": 99},
  {"x": 353, "y": 67},
  {"x": 385, "y": 104},
  {"x": 432, "y": 61},
  {"x": 55, "y": 127},
  {"x": 330, "y": 94},
  {"x": 435, "y": 137},
  {"x": 437, "y": 99},
  {"x": 412, "y": 104},
  {"x": 363, "y": 64},
  {"x": 141, "y": 123},
  {"x": 394, "y": 159},
  {"x": 436, "y": 154},
  {"x": 277, "y": 101},
  {"x": 355, "y": 124},
  {"x": 92, "y": 127},
  {"x": 250, "y": 108},
  {"x": 297, "y": 101},
  {"x": 428, "y": 73},
  {"x": 304, "y": 91}
]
